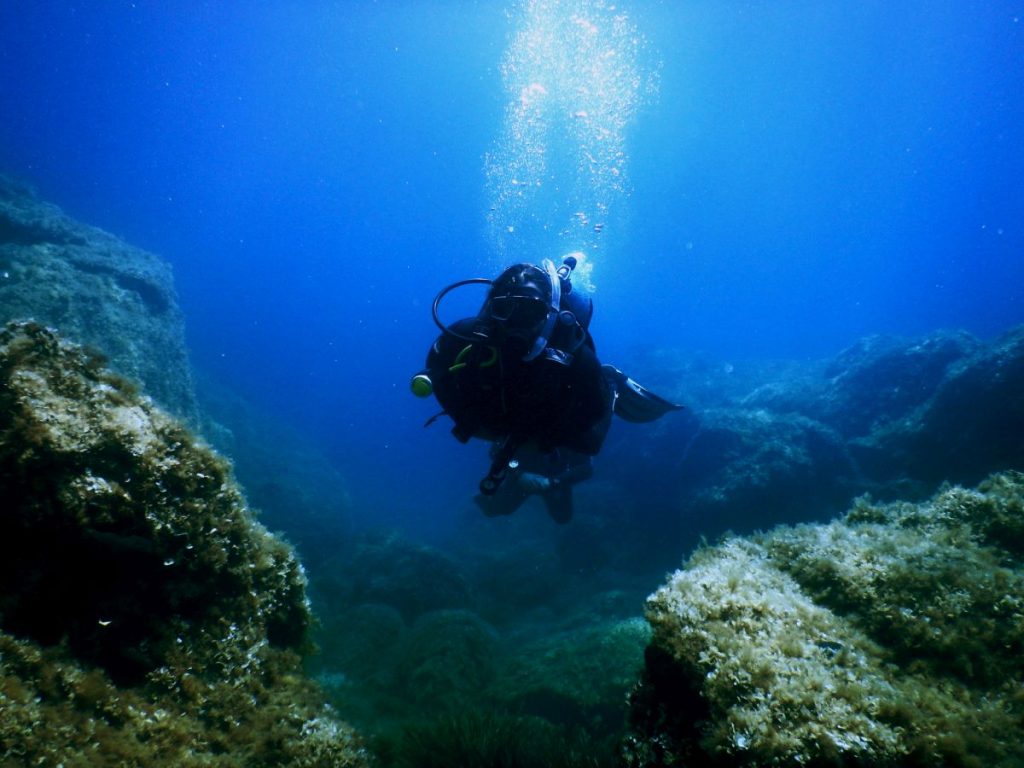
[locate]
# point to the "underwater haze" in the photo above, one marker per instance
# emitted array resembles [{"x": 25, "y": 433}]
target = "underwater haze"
[
  {"x": 746, "y": 179},
  {"x": 801, "y": 220}
]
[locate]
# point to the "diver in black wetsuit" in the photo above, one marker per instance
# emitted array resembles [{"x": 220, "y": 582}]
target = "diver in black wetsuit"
[{"x": 524, "y": 374}]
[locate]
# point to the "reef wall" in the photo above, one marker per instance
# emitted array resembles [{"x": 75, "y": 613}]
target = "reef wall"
[
  {"x": 891, "y": 636},
  {"x": 96, "y": 290},
  {"x": 145, "y": 618}
]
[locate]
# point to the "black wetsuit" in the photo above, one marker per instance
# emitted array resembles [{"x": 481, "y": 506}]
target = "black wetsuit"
[{"x": 491, "y": 395}]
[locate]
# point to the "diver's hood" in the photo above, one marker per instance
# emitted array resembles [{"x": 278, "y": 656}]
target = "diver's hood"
[
  {"x": 522, "y": 307},
  {"x": 530, "y": 312}
]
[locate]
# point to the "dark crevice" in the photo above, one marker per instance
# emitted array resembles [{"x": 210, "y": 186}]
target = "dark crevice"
[
  {"x": 14, "y": 232},
  {"x": 152, "y": 296}
]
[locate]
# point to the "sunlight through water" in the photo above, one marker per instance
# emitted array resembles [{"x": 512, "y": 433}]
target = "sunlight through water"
[{"x": 557, "y": 175}]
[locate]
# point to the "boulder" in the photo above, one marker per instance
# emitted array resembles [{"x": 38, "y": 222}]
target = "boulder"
[
  {"x": 752, "y": 468},
  {"x": 578, "y": 677},
  {"x": 892, "y": 636},
  {"x": 413, "y": 578},
  {"x": 971, "y": 423},
  {"x": 145, "y": 617}
]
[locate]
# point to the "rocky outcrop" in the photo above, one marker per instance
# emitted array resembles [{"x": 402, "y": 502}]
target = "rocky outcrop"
[
  {"x": 893, "y": 636},
  {"x": 412, "y": 578},
  {"x": 971, "y": 423},
  {"x": 578, "y": 677},
  {"x": 768, "y": 443},
  {"x": 870, "y": 384},
  {"x": 145, "y": 617},
  {"x": 757, "y": 468},
  {"x": 95, "y": 290}
]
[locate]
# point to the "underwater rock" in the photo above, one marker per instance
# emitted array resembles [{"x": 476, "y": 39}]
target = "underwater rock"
[
  {"x": 412, "y": 578},
  {"x": 873, "y": 383},
  {"x": 578, "y": 678},
  {"x": 447, "y": 660},
  {"x": 892, "y": 636},
  {"x": 515, "y": 579},
  {"x": 363, "y": 642},
  {"x": 891, "y": 416},
  {"x": 880, "y": 379},
  {"x": 96, "y": 290},
  {"x": 971, "y": 424},
  {"x": 145, "y": 618},
  {"x": 756, "y": 468}
]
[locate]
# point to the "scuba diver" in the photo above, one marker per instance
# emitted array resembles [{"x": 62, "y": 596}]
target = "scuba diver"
[{"x": 524, "y": 375}]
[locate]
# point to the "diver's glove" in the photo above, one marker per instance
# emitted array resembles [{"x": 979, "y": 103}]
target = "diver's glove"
[{"x": 532, "y": 483}]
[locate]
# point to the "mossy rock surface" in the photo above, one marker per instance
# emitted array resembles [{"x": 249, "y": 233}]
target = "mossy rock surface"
[
  {"x": 578, "y": 677},
  {"x": 446, "y": 659},
  {"x": 893, "y": 636},
  {"x": 145, "y": 617}
]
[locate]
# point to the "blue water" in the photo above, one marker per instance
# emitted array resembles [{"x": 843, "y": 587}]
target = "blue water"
[{"x": 806, "y": 174}]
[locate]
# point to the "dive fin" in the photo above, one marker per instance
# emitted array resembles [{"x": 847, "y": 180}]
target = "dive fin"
[{"x": 633, "y": 402}]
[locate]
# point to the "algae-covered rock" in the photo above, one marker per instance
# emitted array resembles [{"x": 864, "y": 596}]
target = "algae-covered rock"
[
  {"x": 774, "y": 467},
  {"x": 447, "y": 658},
  {"x": 413, "y": 578},
  {"x": 362, "y": 642},
  {"x": 579, "y": 677},
  {"x": 894, "y": 636},
  {"x": 768, "y": 442},
  {"x": 145, "y": 618},
  {"x": 972, "y": 423},
  {"x": 874, "y": 382},
  {"x": 96, "y": 290}
]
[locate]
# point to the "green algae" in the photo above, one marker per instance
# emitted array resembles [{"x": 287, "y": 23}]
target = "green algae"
[
  {"x": 490, "y": 739},
  {"x": 145, "y": 617},
  {"x": 892, "y": 636}
]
